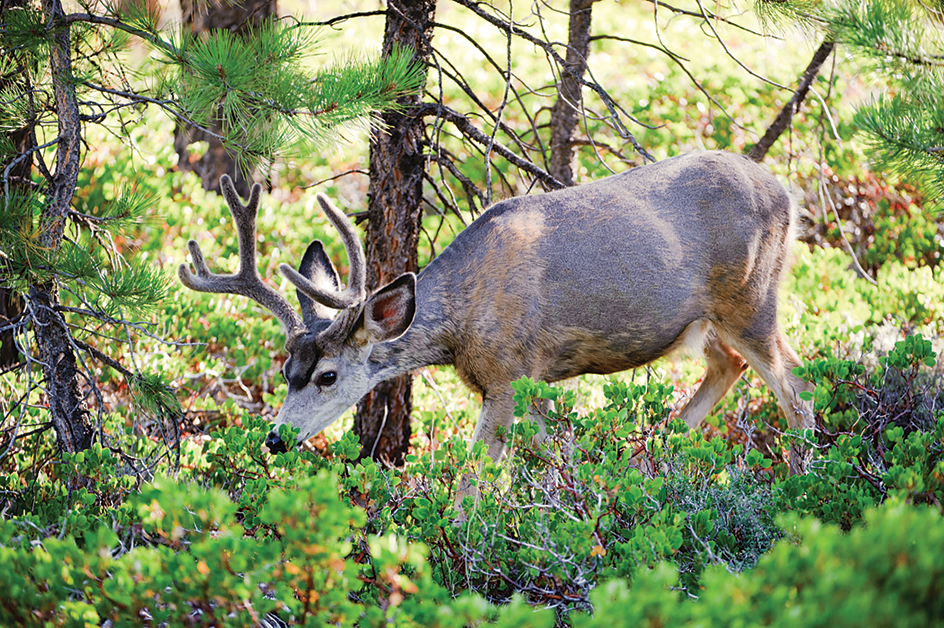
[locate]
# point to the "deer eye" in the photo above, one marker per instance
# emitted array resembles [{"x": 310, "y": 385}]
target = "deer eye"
[{"x": 328, "y": 378}]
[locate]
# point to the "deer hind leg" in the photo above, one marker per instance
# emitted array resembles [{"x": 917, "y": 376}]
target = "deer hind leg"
[
  {"x": 772, "y": 357},
  {"x": 724, "y": 367}
]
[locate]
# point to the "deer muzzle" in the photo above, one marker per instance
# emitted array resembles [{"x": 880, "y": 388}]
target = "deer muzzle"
[{"x": 275, "y": 444}]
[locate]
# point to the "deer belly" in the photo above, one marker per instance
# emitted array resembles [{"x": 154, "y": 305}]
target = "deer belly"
[{"x": 574, "y": 352}]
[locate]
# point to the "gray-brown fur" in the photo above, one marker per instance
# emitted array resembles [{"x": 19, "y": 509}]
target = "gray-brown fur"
[{"x": 598, "y": 278}]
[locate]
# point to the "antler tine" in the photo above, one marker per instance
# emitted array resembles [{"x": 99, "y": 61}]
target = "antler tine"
[
  {"x": 246, "y": 281},
  {"x": 355, "y": 292}
]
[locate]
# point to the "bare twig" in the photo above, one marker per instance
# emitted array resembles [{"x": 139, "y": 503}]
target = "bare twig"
[
  {"x": 335, "y": 177},
  {"x": 706, "y": 15},
  {"x": 548, "y": 48},
  {"x": 785, "y": 117},
  {"x": 466, "y": 127},
  {"x": 730, "y": 54}
]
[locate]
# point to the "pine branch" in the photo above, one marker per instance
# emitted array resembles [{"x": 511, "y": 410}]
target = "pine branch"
[
  {"x": 884, "y": 31},
  {"x": 267, "y": 103},
  {"x": 104, "y": 358},
  {"x": 138, "y": 327},
  {"x": 774, "y": 12},
  {"x": 155, "y": 40},
  {"x": 138, "y": 289}
]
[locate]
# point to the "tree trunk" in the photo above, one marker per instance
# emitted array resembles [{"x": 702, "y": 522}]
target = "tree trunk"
[
  {"x": 201, "y": 16},
  {"x": 70, "y": 419},
  {"x": 394, "y": 211},
  {"x": 11, "y": 305},
  {"x": 566, "y": 111}
]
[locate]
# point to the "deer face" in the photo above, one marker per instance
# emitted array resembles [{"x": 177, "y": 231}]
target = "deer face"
[
  {"x": 328, "y": 371},
  {"x": 321, "y": 386},
  {"x": 329, "y": 345}
]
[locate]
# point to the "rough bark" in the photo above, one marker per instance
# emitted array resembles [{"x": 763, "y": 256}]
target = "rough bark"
[
  {"x": 565, "y": 114},
  {"x": 394, "y": 211},
  {"x": 70, "y": 418},
  {"x": 11, "y": 304},
  {"x": 785, "y": 117},
  {"x": 200, "y": 16}
]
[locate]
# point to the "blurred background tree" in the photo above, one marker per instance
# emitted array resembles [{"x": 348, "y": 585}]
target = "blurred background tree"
[{"x": 200, "y": 18}]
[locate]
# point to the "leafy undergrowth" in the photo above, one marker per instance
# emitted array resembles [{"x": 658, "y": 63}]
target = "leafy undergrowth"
[{"x": 620, "y": 515}]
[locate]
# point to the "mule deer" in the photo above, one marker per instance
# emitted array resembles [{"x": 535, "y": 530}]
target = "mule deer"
[{"x": 598, "y": 278}]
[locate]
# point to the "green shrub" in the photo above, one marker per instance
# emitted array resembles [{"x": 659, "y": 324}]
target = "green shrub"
[
  {"x": 882, "y": 430},
  {"x": 556, "y": 518},
  {"x": 885, "y": 573},
  {"x": 180, "y": 557}
]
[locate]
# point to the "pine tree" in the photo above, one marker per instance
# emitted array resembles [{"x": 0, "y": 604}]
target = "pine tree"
[
  {"x": 200, "y": 16},
  {"x": 899, "y": 42},
  {"x": 64, "y": 71}
]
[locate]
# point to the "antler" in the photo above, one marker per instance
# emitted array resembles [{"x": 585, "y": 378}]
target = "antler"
[
  {"x": 355, "y": 292},
  {"x": 246, "y": 282}
]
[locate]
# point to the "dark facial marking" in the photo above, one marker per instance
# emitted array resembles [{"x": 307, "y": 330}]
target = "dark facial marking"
[{"x": 303, "y": 357}]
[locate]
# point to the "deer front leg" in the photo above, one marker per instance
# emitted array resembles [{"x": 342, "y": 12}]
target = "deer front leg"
[{"x": 496, "y": 412}]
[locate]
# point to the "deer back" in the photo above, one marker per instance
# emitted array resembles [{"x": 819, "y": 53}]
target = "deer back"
[{"x": 606, "y": 276}]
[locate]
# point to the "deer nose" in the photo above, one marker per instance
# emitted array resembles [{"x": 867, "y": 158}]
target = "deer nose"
[{"x": 275, "y": 444}]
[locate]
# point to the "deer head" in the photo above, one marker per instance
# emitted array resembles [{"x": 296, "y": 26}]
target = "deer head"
[{"x": 329, "y": 345}]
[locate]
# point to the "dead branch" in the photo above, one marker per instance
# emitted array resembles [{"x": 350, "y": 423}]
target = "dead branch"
[
  {"x": 785, "y": 117},
  {"x": 465, "y": 126}
]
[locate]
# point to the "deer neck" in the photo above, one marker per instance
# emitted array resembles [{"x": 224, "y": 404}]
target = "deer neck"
[{"x": 425, "y": 342}]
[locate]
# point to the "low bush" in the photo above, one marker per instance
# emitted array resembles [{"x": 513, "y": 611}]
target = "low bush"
[
  {"x": 881, "y": 434},
  {"x": 179, "y": 555},
  {"x": 887, "y": 572},
  {"x": 610, "y": 492},
  {"x": 620, "y": 502}
]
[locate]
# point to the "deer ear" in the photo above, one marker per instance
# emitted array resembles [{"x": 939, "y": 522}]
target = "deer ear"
[
  {"x": 317, "y": 267},
  {"x": 389, "y": 312}
]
